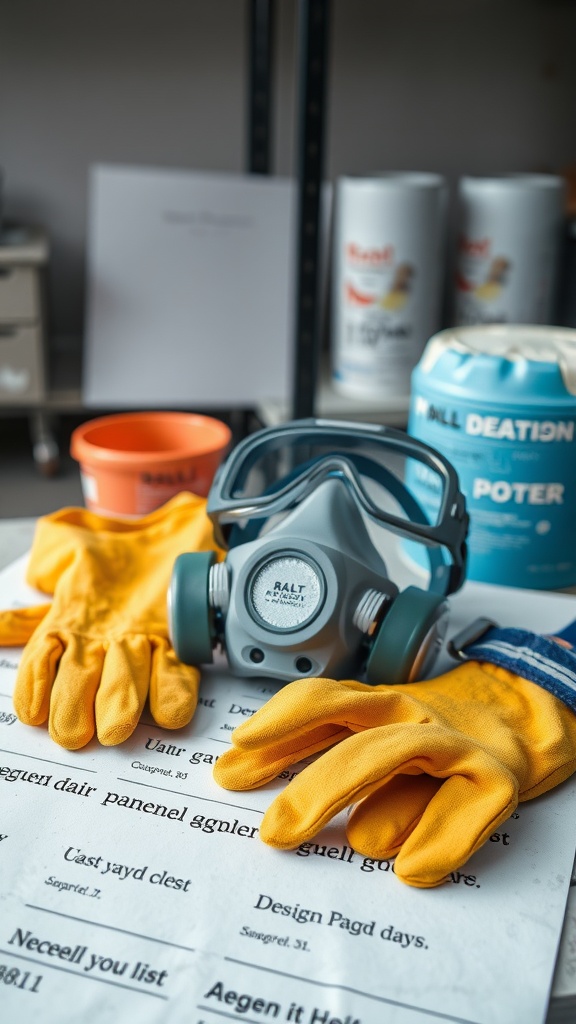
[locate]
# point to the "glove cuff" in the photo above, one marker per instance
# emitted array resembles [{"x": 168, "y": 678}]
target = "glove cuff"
[{"x": 534, "y": 657}]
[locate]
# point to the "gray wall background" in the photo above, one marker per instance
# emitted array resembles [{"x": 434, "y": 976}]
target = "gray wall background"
[{"x": 453, "y": 86}]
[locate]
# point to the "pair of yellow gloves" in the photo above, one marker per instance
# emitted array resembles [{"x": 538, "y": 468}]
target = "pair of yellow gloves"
[{"x": 431, "y": 769}]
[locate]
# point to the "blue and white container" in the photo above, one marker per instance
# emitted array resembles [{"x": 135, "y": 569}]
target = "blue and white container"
[{"x": 499, "y": 402}]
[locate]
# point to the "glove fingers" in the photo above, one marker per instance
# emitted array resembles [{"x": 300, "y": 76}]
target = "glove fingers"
[
  {"x": 173, "y": 688},
  {"x": 380, "y": 824},
  {"x": 304, "y": 718},
  {"x": 36, "y": 672},
  {"x": 361, "y": 764},
  {"x": 123, "y": 690},
  {"x": 458, "y": 820},
  {"x": 247, "y": 769},
  {"x": 302, "y": 706},
  {"x": 18, "y": 624},
  {"x": 348, "y": 773},
  {"x": 71, "y": 720}
]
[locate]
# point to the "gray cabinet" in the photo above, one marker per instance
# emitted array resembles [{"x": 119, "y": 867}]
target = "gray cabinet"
[{"x": 23, "y": 261}]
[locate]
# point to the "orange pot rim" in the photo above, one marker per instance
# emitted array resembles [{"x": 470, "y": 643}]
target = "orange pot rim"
[{"x": 87, "y": 451}]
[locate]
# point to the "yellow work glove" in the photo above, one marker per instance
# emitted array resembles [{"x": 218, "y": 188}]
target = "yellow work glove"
[
  {"x": 100, "y": 648},
  {"x": 432, "y": 768}
]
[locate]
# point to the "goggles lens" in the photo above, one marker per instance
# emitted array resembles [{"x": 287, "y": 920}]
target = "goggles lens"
[
  {"x": 401, "y": 486},
  {"x": 388, "y": 483}
]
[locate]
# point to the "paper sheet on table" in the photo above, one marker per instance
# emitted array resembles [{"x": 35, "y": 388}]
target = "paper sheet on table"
[{"x": 133, "y": 888}]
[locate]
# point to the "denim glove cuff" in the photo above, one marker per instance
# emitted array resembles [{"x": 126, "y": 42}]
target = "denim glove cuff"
[{"x": 534, "y": 657}]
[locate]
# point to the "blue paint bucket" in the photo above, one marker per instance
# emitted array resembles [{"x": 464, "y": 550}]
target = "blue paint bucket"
[{"x": 499, "y": 402}]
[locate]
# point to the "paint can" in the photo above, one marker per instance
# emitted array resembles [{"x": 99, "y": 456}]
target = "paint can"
[
  {"x": 508, "y": 249},
  {"x": 389, "y": 246},
  {"x": 499, "y": 401}
]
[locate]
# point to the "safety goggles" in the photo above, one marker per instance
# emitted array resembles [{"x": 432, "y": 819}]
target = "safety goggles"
[{"x": 400, "y": 484}]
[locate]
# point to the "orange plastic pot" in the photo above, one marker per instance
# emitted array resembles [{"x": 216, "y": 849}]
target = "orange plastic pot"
[{"x": 131, "y": 463}]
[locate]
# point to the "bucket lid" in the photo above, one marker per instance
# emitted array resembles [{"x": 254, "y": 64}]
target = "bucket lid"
[{"x": 522, "y": 345}]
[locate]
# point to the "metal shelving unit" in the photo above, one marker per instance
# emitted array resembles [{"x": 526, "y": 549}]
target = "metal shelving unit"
[
  {"x": 312, "y": 392},
  {"x": 61, "y": 391},
  {"x": 312, "y": 60}
]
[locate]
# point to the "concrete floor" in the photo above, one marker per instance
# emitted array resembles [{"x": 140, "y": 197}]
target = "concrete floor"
[{"x": 24, "y": 489}]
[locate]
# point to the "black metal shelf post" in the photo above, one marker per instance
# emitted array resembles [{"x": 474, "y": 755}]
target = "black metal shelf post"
[
  {"x": 312, "y": 64},
  {"x": 311, "y": 101},
  {"x": 260, "y": 25}
]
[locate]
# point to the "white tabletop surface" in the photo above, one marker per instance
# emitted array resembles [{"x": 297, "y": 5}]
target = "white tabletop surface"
[{"x": 15, "y": 538}]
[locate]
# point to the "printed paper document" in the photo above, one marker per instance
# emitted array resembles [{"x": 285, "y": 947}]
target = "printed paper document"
[{"x": 133, "y": 888}]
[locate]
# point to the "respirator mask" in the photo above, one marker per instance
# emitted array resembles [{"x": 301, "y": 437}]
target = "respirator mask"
[{"x": 331, "y": 568}]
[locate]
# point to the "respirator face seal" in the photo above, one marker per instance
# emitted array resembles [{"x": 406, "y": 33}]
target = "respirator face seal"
[{"x": 272, "y": 471}]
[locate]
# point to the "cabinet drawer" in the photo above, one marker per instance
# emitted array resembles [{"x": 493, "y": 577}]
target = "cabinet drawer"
[
  {"x": 22, "y": 377},
  {"x": 19, "y": 294}
]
